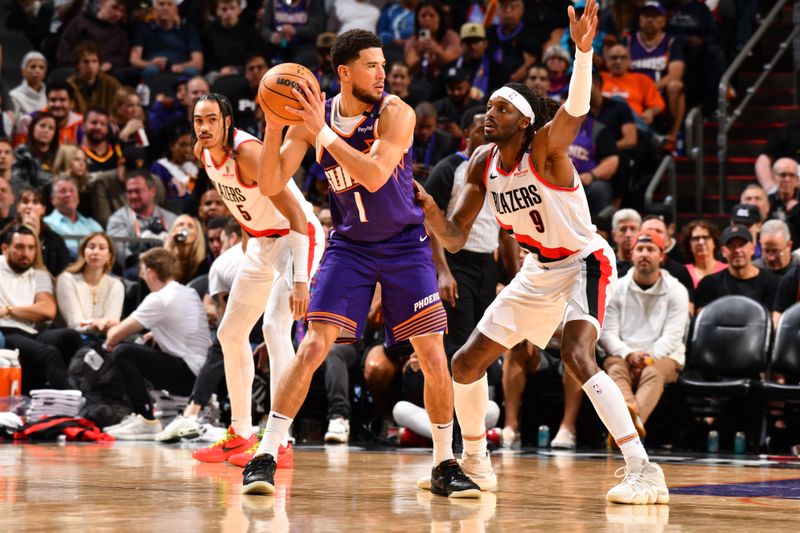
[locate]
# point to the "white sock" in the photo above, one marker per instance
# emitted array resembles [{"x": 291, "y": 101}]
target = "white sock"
[
  {"x": 277, "y": 427},
  {"x": 442, "y": 435},
  {"x": 243, "y": 428},
  {"x": 471, "y": 402},
  {"x": 612, "y": 410}
]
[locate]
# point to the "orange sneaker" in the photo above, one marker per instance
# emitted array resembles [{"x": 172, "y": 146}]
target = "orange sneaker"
[
  {"x": 228, "y": 445},
  {"x": 285, "y": 456}
]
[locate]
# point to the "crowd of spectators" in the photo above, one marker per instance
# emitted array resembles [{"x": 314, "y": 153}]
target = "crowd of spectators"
[{"x": 109, "y": 217}]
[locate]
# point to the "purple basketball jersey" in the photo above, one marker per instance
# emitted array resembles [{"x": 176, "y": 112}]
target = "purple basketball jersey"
[
  {"x": 650, "y": 61},
  {"x": 356, "y": 213}
]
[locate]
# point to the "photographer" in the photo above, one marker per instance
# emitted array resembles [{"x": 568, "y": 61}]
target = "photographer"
[{"x": 141, "y": 218}]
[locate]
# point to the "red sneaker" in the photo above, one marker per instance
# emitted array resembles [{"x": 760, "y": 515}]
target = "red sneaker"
[
  {"x": 285, "y": 456},
  {"x": 228, "y": 445}
]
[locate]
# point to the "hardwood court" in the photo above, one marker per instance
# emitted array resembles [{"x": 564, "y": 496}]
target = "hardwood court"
[{"x": 148, "y": 487}]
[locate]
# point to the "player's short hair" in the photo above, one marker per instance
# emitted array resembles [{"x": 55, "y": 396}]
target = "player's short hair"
[
  {"x": 623, "y": 215},
  {"x": 469, "y": 116},
  {"x": 161, "y": 261},
  {"x": 347, "y": 46},
  {"x": 225, "y": 109}
]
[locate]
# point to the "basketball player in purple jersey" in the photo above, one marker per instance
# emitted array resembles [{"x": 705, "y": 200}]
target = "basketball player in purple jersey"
[
  {"x": 536, "y": 195},
  {"x": 362, "y": 138}
]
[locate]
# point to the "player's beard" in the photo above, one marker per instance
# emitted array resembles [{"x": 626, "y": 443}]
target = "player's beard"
[{"x": 364, "y": 96}]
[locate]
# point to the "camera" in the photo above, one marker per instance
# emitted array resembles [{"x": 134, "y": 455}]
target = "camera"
[
  {"x": 182, "y": 235},
  {"x": 424, "y": 33},
  {"x": 155, "y": 225}
]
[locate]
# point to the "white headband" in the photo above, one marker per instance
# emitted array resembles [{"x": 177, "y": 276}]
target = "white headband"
[{"x": 517, "y": 100}]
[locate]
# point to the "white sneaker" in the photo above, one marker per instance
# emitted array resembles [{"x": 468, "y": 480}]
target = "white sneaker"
[
  {"x": 180, "y": 427},
  {"x": 338, "y": 430},
  {"x": 479, "y": 469},
  {"x": 564, "y": 440},
  {"x": 643, "y": 484},
  {"x": 511, "y": 439},
  {"x": 139, "y": 428},
  {"x": 124, "y": 422}
]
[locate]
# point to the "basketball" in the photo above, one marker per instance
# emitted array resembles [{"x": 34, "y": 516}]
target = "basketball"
[{"x": 275, "y": 91}]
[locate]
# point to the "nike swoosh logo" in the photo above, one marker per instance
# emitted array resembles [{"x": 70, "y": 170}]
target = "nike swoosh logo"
[
  {"x": 225, "y": 448},
  {"x": 492, "y": 176},
  {"x": 443, "y": 427},
  {"x": 422, "y": 239}
]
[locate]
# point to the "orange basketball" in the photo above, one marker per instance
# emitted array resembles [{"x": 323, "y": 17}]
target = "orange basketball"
[{"x": 275, "y": 91}]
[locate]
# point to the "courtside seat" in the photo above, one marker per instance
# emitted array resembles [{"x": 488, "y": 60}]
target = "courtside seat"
[{"x": 785, "y": 363}]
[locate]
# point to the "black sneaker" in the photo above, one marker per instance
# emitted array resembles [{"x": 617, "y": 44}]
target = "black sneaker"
[
  {"x": 447, "y": 479},
  {"x": 259, "y": 475}
]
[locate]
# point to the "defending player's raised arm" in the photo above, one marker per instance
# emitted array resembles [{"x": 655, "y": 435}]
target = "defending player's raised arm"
[
  {"x": 561, "y": 132},
  {"x": 280, "y": 158},
  {"x": 453, "y": 232},
  {"x": 371, "y": 169}
]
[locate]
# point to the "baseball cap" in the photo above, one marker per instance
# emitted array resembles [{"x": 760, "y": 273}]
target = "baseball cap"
[
  {"x": 555, "y": 50},
  {"x": 325, "y": 40},
  {"x": 746, "y": 215},
  {"x": 135, "y": 158},
  {"x": 473, "y": 30},
  {"x": 651, "y": 237},
  {"x": 456, "y": 74},
  {"x": 736, "y": 231},
  {"x": 654, "y": 4}
]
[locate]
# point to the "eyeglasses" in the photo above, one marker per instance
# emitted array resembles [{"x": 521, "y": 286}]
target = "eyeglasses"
[
  {"x": 786, "y": 174},
  {"x": 699, "y": 238}
]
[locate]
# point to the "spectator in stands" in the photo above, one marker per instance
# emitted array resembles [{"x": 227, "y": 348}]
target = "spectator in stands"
[
  {"x": 229, "y": 40},
  {"x": 741, "y": 276},
  {"x": 214, "y": 229},
  {"x": 754, "y": 194},
  {"x": 60, "y": 104},
  {"x": 776, "y": 248},
  {"x": 177, "y": 170},
  {"x": 166, "y": 44},
  {"x": 6, "y": 197},
  {"x": 255, "y": 66},
  {"x": 29, "y": 96},
  {"x": 625, "y": 225},
  {"x": 108, "y": 188},
  {"x": 785, "y": 142},
  {"x": 646, "y": 320},
  {"x": 188, "y": 244},
  {"x": 211, "y": 206},
  {"x": 30, "y": 212},
  {"x": 657, "y": 224},
  {"x": 396, "y": 23},
  {"x": 127, "y": 118},
  {"x": 168, "y": 108},
  {"x": 450, "y": 109},
  {"x": 511, "y": 42},
  {"x": 33, "y": 161},
  {"x": 346, "y": 15},
  {"x": 88, "y": 297},
  {"x": 659, "y": 55},
  {"x": 538, "y": 80},
  {"x": 399, "y": 79},
  {"x": 30, "y": 18},
  {"x": 106, "y": 27},
  {"x": 431, "y": 144},
  {"x": 71, "y": 162},
  {"x": 101, "y": 151},
  {"x": 27, "y": 300},
  {"x": 784, "y": 203},
  {"x": 65, "y": 218},
  {"x": 484, "y": 73},
  {"x": 749, "y": 217},
  {"x": 700, "y": 240},
  {"x": 327, "y": 78},
  {"x": 618, "y": 119},
  {"x": 558, "y": 62},
  {"x": 141, "y": 218},
  {"x": 594, "y": 155},
  {"x": 292, "y": 29},
  {"x": 620, "y": 18},
  {"x": 6, "y": 159},
  {"x": 433, "y": 45},
  {"x": 91, "y": 87},
  {"x": 177, "y": 322},
  {"x": 636, "y": 89}
]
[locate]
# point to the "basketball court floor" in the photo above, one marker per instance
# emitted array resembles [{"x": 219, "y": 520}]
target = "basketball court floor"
[{"x": 149, "y": 487}]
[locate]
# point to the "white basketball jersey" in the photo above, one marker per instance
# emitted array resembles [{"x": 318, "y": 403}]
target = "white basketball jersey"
[
  {"x": 552, "y": 222},
  {"x": 257, "y": 215}
]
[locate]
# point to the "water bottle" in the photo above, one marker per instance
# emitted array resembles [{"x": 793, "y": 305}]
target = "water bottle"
[
  {"x": 713, "y": 442},
  {"x": 739, "y": 443},
  {"x": 543, "y": 437},
  {"x": 144, "y": 93}
]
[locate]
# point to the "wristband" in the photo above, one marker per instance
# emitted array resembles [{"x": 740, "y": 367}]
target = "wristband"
[
  {"x": 299, "y": 245},
  {"x": 327, "y": 136}
]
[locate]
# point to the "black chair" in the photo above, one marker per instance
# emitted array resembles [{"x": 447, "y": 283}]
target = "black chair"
[
  {"x": 728, "y": 352},
  {"x": 162, "y": 83},
  {"x": 781, "y": 389},
  {"x": 60, "y": 74},
  {"x": 200, "y": 285},
  {"x": 15, "y": 46}
]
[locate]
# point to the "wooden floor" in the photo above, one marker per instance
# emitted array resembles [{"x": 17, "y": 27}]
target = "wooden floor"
[{"x": 149, "y": 487}]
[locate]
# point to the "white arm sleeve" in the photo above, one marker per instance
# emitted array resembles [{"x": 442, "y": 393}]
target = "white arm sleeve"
[{"x": 580, "y": 86}]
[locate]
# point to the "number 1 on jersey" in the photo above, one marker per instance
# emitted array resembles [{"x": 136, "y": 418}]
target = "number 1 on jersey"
[{"x": 362, "y": 215}]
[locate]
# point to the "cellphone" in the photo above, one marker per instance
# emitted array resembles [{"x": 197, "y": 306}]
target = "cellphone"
[{"x": 424, "y": 33}]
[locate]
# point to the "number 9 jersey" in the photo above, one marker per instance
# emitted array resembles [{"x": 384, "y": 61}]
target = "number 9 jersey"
[
  {"x": 254, "y": 212},
  {"x": 552, "y": 222}
]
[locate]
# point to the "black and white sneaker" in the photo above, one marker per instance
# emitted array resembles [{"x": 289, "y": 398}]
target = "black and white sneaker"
[
  {"x": 447, "y": 479},
  {"x": 259, "y": 475}
]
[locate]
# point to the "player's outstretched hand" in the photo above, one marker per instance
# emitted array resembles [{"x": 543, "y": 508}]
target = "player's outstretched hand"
[
  {"x": 313, "y": 110},
  {"x": 584, "y": 30},
  {"x": 298, "y": 300},
  {"x": 424, "y": 199}
]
